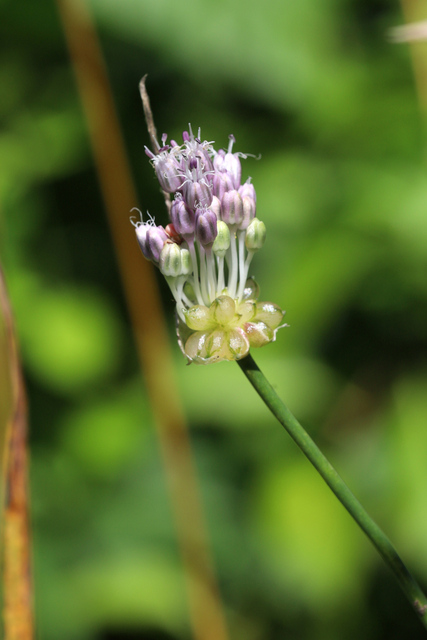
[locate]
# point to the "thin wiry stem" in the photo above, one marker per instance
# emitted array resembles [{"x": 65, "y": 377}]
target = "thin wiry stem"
[
  {"x": 152, "y": 131},
  {"x": 380, "y": 541}
]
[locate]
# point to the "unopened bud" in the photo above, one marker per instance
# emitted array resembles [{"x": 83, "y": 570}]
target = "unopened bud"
[
  {"x": 221, "y": 183},
  {"x": 222, "y": 241},
  {"x": 174, "y": 261},
  {"x": 233, "y": 167},
  {"x": 197, "y": 193},
  {"x": 141, "y": 236},
  {"x": 229, "y": 163},
  {"x": 255, "y": 235},
  {"x": 206, "y": 228},
  {"x": 232, "y": 207},
  {"x": 183, "y": 218},
  {"x": 151, "y": 240},
  {"x": 249, "y": 209},
  {"x": 248, "y": 189}
]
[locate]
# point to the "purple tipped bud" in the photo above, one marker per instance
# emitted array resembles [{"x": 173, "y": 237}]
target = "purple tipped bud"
[
  {"x": 197, "y": 193},
  {"x": 249, "y": 210},
  {"x": 229, "y": 163},
  {"x": 233, "y": 168},
  {"x": 183, "y": 218},
  {"x": 168, "y": 172},
  {"x": 221, "y": 183},
  {"x": 156, "y": 238},
  {"x": 232, "y": 208},
  {"x": 206, "y": 228},
  {"x": 151, "y": 240},
  {"x": 248, "y": 189},
  {"x": 141, "y": 236}
]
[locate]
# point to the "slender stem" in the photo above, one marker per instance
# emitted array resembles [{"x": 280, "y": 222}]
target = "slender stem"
[
  {"x": 203, "y": 278},
  {"x": 220, "y": 265},
  {"x": 193, "y": 255},
  {"x": 234, "y": 268},
  {"x": 383, "y": 545}
]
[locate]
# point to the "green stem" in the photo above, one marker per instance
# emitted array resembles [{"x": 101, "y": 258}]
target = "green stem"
[{"x": 380, "y": 541}]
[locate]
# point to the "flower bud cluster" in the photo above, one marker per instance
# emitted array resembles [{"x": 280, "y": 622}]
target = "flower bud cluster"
[{"x": 206, "y": 250}]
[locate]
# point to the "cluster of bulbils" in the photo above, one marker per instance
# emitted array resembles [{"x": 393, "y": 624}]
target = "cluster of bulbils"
[{"x": 206, "y": 250}]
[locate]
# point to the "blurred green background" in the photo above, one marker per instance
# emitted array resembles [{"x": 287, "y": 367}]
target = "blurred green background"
[{"x": 329, "y": 103}]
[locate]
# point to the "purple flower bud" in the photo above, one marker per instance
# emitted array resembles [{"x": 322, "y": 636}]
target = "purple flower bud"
[
  {"x": 221, "y": 183},
  {"x": 232, "y": 164},
  {"x": 249, "y": 210},
  {"x": 229, "y": 163},
  {"x": 232, "y": 208},
  {"x": 206, "y": 228},
  {"x": 197, "y": 193},
  {"x": 183, "y": 218},
  {"x": 248, "y": 189},
  {"x": 155, "y": 239},
  {"x": 168, "y": 172},
  {"x": 151, "y": 240},
  {"x": 141, "y": 236},
  {"x": 234, "y": 168}
]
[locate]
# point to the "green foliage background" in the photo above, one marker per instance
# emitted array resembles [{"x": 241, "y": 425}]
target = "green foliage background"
[{"x": 329, "y": 103}]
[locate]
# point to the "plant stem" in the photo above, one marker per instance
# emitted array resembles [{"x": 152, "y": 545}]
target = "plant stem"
[{"x": 380, "y": 541}]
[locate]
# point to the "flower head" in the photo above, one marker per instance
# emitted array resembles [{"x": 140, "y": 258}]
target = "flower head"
[{"x": 206, "y": 251}]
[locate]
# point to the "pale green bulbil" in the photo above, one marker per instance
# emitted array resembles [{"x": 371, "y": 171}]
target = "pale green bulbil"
[
  {"x": 258, "y": 334},
  {"x": 223, "y": 310},
  {"x": 205, "y": 347},
  {"x": 199, "y": 318},
  {"x": 269, "y": 313},
  {"x": 227, "y": 329}
]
